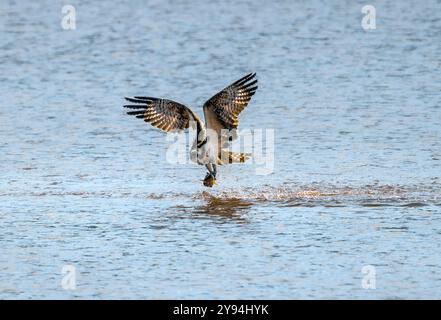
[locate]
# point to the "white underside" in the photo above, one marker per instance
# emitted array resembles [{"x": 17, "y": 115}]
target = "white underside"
[{"x": 206, "y": 153}]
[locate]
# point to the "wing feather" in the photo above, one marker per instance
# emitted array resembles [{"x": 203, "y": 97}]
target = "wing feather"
[
  {"x": 222, "y": 110},
  {"x": 167, "y": 115}
]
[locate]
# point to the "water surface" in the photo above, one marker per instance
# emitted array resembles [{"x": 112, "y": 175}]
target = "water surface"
[{"x": 356, "y": 179}]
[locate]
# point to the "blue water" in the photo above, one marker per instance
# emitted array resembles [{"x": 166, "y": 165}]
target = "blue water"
[{"x": 357, "y": 173}]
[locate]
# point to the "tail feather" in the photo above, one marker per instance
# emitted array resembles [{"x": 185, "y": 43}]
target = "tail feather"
[{"x": 228, "y": 157}]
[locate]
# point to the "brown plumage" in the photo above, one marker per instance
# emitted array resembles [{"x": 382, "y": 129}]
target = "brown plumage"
[
  {"x": 229, "y": 103},
  {"x": 167, "y": 115},
  {"x": 221, "y": 116}
]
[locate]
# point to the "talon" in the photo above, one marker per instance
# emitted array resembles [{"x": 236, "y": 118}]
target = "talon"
[{"x": 209, "y": 180}]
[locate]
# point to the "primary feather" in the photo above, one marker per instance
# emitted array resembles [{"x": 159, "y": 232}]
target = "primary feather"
[{"x": 221, "y": 114}]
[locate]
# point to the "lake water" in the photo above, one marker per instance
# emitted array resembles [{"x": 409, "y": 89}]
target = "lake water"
[{"x": 355, "y": 191}]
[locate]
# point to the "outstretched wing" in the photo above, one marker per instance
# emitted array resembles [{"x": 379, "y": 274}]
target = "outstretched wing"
[
  {"x": 164, "y": 114},
  {"x": 223, "y": 109}
]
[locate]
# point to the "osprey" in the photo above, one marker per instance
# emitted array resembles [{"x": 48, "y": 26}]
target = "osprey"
[{"x": 221, "y": 114}]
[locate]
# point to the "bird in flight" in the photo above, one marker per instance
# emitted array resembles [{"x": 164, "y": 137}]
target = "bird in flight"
[{"x": 221, "y": 114}]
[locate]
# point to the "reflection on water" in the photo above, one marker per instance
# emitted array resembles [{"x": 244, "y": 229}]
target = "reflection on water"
[
  {"x": 231, "y": 208},
  {"x": 212, "y": 208}
]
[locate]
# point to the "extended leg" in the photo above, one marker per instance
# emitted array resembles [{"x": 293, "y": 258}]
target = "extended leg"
[
  {"x": 211, "y": 167},
  {"x": 214, "y": 170}
]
